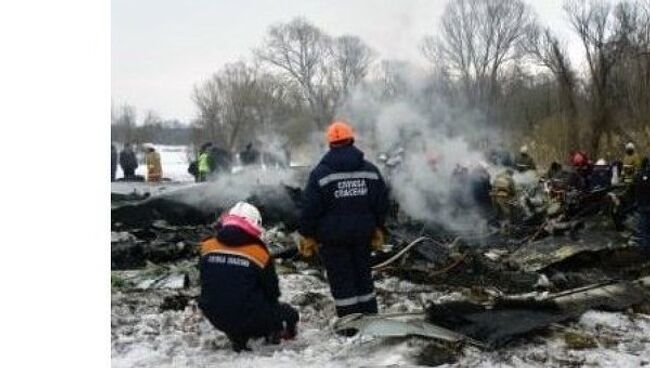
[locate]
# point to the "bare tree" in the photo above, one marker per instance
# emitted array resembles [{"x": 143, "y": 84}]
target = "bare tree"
[
  {"x": 239, "y": 103},
  {"x": 549, "y": 52},
  {"x": 478, "y": 38},
  {"x": 604, "y": 31},
  {"x": 323, "y": 69},
  {"x": 351, "y": 60},
  {"x": 123, "y": 123}
]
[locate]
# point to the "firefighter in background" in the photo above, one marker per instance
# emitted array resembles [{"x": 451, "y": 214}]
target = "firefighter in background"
[
  {"x": 154, "y": 167},
  {"x": 503, "y": 197},
  {"x": 344, "y": 209},
  {"x": 524, "y": 162},
  {"x": 601, "y": 175},
  {"x": 239, "y": 284},
  {"x": 579, "y": 171},
  {"x": 631, "y": 163}
]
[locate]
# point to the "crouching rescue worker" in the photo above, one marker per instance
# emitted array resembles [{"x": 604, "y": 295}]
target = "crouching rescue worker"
[
  {"x": 346, "y": 201},
  {"x": 239, "y": 285}
]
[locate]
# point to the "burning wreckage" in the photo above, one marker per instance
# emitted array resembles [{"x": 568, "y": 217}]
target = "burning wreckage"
[{"x": 486, "y": 289}]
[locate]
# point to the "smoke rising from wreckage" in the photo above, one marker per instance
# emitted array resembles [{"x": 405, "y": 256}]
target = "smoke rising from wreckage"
[{"x": 472, "y": 282}]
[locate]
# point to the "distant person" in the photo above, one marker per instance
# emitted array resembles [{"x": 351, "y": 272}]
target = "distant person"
[
  {"x": 631, "y": 163},
  {"x": 503, "y": 196},
  {"x": 579, "y": 171},
  {"x": 640, "y": 189},
  {"x": 239, "y": 284},
  {"x": 524, "y": 162},
  {"x": 220, "y": 160},
  {"x": 601, "y": 175},
  {"x": 113, "y": 162},
  {"x": 345, "y": 206},
  {"x": 154, "y": 167},
  {"x": 480, "y": 188},
  {"x": 128, "y": 162},
  {"x": 250, "y": 155},
  {"x": 204, "y": 163}
]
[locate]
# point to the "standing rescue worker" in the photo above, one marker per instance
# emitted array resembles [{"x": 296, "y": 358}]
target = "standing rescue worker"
[
  {"x": 128, "y": 162},
  {"x": 239, "y": 285},
  {"x": 640, "y": 189},
  {"x": 631, "y": 163},
  {"x": 154, "y": 168},
  {"x": 204, "y": 163},
  {"x": 346, "y": 201},
  {"x": 524, "y": 162}
]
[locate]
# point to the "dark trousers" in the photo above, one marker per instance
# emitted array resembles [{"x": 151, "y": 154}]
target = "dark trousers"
[
  {"x": 128, "y": 173},
  {"x": 350, "y": 278},
  {"x": 280, "y": 317}
]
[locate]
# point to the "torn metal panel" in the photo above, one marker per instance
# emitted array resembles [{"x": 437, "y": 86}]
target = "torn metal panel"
[
  {"x": 612, "y": 296},
  {"x": 509, "y": 317},
  {"x": 537, "y": 256},
  {"x": 392, "y": 326}
]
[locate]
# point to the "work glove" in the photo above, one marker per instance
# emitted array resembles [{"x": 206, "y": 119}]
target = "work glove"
[
  {"x": 307, "y": 246},
  {"x": 377, "y": 241}
]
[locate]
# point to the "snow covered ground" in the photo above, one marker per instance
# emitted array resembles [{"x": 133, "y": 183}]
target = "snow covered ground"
[{"x": 142, "y": 336}]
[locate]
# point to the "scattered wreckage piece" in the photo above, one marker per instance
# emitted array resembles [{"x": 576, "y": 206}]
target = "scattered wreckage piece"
[
  {"x": 510, "y": 317},
  {"x": 199, "y": 203},
  {"x": 131, "y": 250},
  {"x": 608, "y": 296},
  {"x": 397, "y": 326},
  {"x": 142, "y": 280},
  {"x": 538, "y": 255}
]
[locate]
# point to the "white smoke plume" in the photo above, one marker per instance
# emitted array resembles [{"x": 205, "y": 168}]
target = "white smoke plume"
[{"x": 435, "y": 139}]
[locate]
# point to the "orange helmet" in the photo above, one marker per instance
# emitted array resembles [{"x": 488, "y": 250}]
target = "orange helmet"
[{"x": 339, "y": 131}]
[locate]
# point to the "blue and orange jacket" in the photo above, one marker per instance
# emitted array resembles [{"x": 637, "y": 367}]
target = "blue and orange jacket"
[
  {"x": 238, "y": 278},
  {"x": 345, "y": 198}
]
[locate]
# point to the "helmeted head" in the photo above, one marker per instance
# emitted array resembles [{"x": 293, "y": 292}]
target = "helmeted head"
[
  {"x": 523, "y": 150},
  {"x": 601, "y": 162},
  {"x": 579, "y": 159},
  {"x": 340, "y": 133},
  {"x": 629, "y": 147},
  {"x": 246, "y": 217}
]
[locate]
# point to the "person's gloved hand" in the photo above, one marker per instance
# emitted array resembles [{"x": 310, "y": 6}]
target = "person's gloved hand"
[
  {"x": 307, "y": 246},
  {"x": 377, "y": 241}
]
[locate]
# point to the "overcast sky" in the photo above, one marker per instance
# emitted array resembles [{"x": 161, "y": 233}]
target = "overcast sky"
[{"x": 162, "y": 48}]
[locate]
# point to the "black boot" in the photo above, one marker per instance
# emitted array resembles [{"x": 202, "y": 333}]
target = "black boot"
[{"x": 239, "y": 344}]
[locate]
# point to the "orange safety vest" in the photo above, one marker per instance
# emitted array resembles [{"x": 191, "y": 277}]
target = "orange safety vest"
[{"x": 255, "y": 253}]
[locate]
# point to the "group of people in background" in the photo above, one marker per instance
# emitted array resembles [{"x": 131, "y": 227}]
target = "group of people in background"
[
  {"x": 128, "y": 162},
  {"x": 583, "y": 176},
  {"x": 212, "y": 160}
]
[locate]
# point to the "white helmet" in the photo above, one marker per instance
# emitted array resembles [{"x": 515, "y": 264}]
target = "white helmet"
[
  {"x": 629, "y": 146},
  {"x": 248, "y": 212},
  {"x": 523, "y": 149},
  {"x": 601, "y": 162}
]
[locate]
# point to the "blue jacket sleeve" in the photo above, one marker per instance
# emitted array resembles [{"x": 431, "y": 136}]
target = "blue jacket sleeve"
[{"x": 312, "y": 207}]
